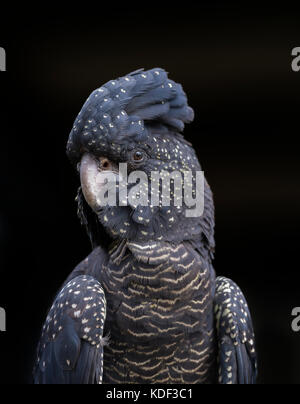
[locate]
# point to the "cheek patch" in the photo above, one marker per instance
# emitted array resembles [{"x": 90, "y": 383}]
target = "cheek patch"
[{"x": 95, "y": 183}]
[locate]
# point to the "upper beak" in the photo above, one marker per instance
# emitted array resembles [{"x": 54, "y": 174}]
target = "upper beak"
[{"x": 91, "y": 179}]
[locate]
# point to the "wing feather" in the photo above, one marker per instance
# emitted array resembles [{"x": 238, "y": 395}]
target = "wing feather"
[
  {"x": 70, "y": 350},
  {"x": 237, "y": 356}
]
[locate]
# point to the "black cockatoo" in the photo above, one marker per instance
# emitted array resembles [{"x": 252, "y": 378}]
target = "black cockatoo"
[{"x": 145, "y": 305}]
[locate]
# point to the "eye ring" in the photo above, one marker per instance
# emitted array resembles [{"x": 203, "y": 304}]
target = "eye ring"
[{"x": 138, "y": 156}]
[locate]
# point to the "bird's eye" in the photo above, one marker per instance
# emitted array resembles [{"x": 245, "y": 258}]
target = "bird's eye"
[{"x": 138, "y": 155}]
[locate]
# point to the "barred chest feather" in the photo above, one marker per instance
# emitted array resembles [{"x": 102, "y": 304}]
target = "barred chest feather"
[{"x": 160, "y": 315}]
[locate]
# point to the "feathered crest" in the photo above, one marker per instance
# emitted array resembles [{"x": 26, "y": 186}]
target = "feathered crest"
[{"x": 129, "y": 108}]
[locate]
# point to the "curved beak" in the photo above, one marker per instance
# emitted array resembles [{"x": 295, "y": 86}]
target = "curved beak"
[{"x": 93, "y": 176}]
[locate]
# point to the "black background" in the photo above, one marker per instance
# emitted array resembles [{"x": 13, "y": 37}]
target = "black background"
[{"x": 235, "y": 65}]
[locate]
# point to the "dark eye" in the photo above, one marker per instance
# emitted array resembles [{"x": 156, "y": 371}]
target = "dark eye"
[{"x": 138, "y": 155}]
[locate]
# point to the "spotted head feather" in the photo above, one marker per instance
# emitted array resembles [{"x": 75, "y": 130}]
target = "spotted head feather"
[{"x": 129, "y": 109}]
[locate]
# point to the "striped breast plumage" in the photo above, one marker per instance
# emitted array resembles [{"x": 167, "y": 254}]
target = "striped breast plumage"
[{"x": 159, "y": 314}]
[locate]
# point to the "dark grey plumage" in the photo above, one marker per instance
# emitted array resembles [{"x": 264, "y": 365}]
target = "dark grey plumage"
[
  {"x": 128, "y": 109},
  {"x": 71, "y": 346},
  {"x": 237, "y": 357},
  {"x": 153, "y": 284}
]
